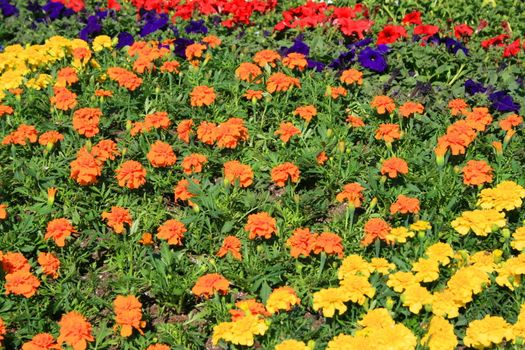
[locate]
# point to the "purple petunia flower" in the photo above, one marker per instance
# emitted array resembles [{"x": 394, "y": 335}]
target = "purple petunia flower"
[
  {"x": 92, "y": 26},
  {"x": 503, "y": 102},
  {"x": 298, "y": 46},
  {"x": 344, "y": 60},
  {"x": 124, "y": 39},
  {"x": 472, "y": 87},
  {"x": 196, "y": 27},
  {"x": 153, "y": 23},
  {"x": 8, "y": 9},
  {"x": 373, "y": 59},
  {"x": 315, "y": 65},
  {"x": 180, "y": 46},
  {"x": 455, "y": 46}
]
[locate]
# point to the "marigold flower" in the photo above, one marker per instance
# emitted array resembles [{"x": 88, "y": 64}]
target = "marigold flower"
[
  {"x": 352, "y": 193},
  {"x": 405, "y": 205},
  {"x": 234, "y": 170},
  {"x": 481, "y": 222},
  {"x": 292, "y": 344},
  {"x": 330, "y": 300},
  {"x": 302, "y": 242},
  {"x": 158, "y": 347},
  {"x": 401, "y": 280},
  {"x": 330, "y": 243},
  {"x": 202, "y": 96},
  {"x": 131, "y": 174},
  {"x": 66, "y": 76},
  {"x": 207, "y": 285},
  {"x": 212, "y": 41},
  {"x": 306, "y": 112},
  {"x": 23, "y": 134},
  {"x": 85, "y": 169},
  {"x": 63, "y": 99},
  {"x": 4, "y": 110},
  {"x": 173, "y": 231},
  {"x": 282, "y": 298},
  {"x": 59, "y": 230},
  {"x": 103, "y": 93},
  {"x": 426, "y": 270},
  {"x": 518, "y": 239},
  {"x": 506, "y": 124},
  {"x": 75, "y": 330},
  {"x": 3, "y": 330},
  {"x": 248, "y": 307},
  {"x": 410, "y": 108},
  {"x": 128, "y": 314},
  {"x": 458, "y": 106},
  {"x": 487, "y": 332},
  {"x": 229, "y": 133},
  {"x": 477, "y": 172},
  {"x": 264, "y": 57},
  {"x": 157, "y": 120},
  {"x": 479, "y": 118},
  {"x": 507, "y": 195},
  {"x": 50, "y": 137},
  {"x": 240, "y": 332},
  {"x": 231, "y": 244},
  {"x": 355, "y": 121},
  {"x": 104, "y": 150},
  {"x": 394, "y": 166},
  {"x": 282, "y": 172},
  {"x": 286, "y": 131},
  {"x": 335, "y": 91},
  {"x": 383, "y": 104},
  {"x": 295, "y": 60},
  {"x": 13, "y": 262},
  {"x": 116, "y": 218},
  {"x": 124, "y": 78},
  {"x": 415, "y": 297},
  {"x": 21, "y": 283},
  {"x": 321, "y": 158},
  {"x": 49, "y": 264},
  {"x": 261, "y": 225},
  {"x": 248, "y": 72},
  {"x": 161, "y": 155},
  {"x": 351, "y": 76},
  {"x": 388, "y": 132},
  {"x": 194, "y": 51},
  {"x": 85, "y": 121},
  {"x": 353, "y": 265},
  {"x": 281, "y": 82},
  {"x": 253, "y": 95},
  {"x": 182, "y": 192},
  {"x": 193, "y": 163},
  {"x": 440, "y": 252},
  {"x": 41, "y": 341},
  {"x": 357, "y": 289},
  {"x": 375, "y": 228},
  {"x": 170, "y": 67},
  {"x": 440, "y": 335},
  {"x": 184, "y": 130},
  {"x": 399, "y": 235}
]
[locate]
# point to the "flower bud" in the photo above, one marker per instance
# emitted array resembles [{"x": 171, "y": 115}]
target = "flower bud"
[
  {"x": 373, "y": 203},
  {"x": 389, "y": 303},
  {"x": 505, "y": 233},
  {"x": 329, "y": 132},
  {"x": 51, "y": 194}
]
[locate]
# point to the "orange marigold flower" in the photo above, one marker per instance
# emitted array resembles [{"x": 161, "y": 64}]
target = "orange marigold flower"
[
  {"x": 306, "y": 112},
  {"x": 261, "y": 225},
  {"x": 286, "y": 131},
  {"x": 235, "y": 170},
  {"x": 128, "y": 314},
  {"x": 457, "y": 106},
  {"x": 477, "y": 172},
  {"x": 253, "y": 94},
  {"x": 394, "y": 166},
  {"x": 85, "y": 121},
  {"x": 248, "y": 72},
  {"x": 104, "y": 150},
  {"x": 212, "y": 41},
  {"x": 410, "y": 108},
  {"x": 248, "y": 306},
  {"x": 375, "y": 228},
  {"x": 283, "y": 298},
  {"x": 206, "y": 132},
  {"x": 207, "y": 285},
  {"x": 352, "y": 193},
  {"x": 131, "y": 174},
  {"x": 170, "y": 67},
  {"x": 282, "y": 172},
  {"x": 14, "y": 262},
  {"x": 63, "y": 99},
  {"x": 383, "y": 104},
  {"x": 295, "y": 60},
  {"x": 21, "y": 283},
  {"x": 355, "y": 121},
  {"x": 3, "y": 330},
  {"x": 157, "y": 120},
  {"x": 182, "y": 192},
  {"x": 184, "y": 130},
  {"x": 264, "y": 57},
  {"x": 351, "y": 76},
  {"x": 75, "y": 330},
  {"x": 158, "y": 347},
  {"x": 193, "y": 163},
  {"x": 3, "y": 211},
  {"x": 6, "y": 110},
  {"x": 117, "y": 217},
  {"x": 103, "y": 93},
  {"x": 49, "y": 264},
  {"x": 161, "y": 155},
  {"x": 41, "y": 341},
  {"x": 281, "y": 82},
  {"x": 505, "y": 124},
  {"x": 194, "y": 51},
  {"x": 16, "y": 92},
  {"x": 21, "y": 135},
  {"x": 231, "y": 244},
  {"x": 59, "y": 230},
  {"x": 330, "y": 243},
  {"x": 124, "y": 78},
  {"x": 229, "y": 133},
  {"x": 146, "y": 239},
  {"x": 405, "y": 205},
  {"x": 66, "y": 76},
  {"x": 202, "y": 96},
  {"x": 302, "y": 242},
  {"x": 50, "y": 137},
  {"x": 388, "y": 132},
  {"x": 335, "y": 91},
  {"x": 321, "y": 158},
  {"x": 479, "y": 118},
  {"x": 173, "y": 231}
]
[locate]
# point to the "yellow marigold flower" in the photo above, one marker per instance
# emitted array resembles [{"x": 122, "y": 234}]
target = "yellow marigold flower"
[
  {"x": 440, "y": 335},
  {"x": 401, "y": 280},
  {"x": 427, "y": 270},
  {"x": 518, "y": 239},
  {"x": 507, "y": 195},
  {"x": 357, "y": 288},
  {"x": 415, "y": 297},
  {"x": 484, "y": 260},
  {"x": 40, "y": 82},
  {"x": 375, "y": 319},
  {"x": 444, "y": 304},
  {"x": 353, "y": 265},
  {"x": 519, "y": 327},
  {"x": 330, "y": 300},
  {"x": 481, "y": 222},
  {"x": 470, "y": 279},
  {"x": 381, "y": 266},
  {"x": 440, "y": 252},
  {"x": 420, "y": 226},
  {"x": 399, "y": 234},
  {"x": 348, "y": 342},
  {"x": 292, "y": 344},
  {"x": 240, "y": 332},
  {"x": 489, "y": 331},
  {"x": 101, "y": 42},
  {"x": 282, "y": 299},
  {"x": 397, "y": 337},
  {"x": 510, "y": 271}
]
